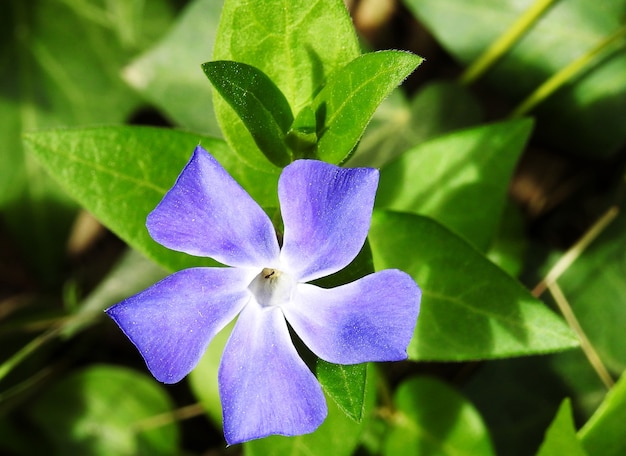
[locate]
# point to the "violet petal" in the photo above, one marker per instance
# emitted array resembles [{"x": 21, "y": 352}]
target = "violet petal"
[
  {"x": 265, "y": 387},
  {"x": 172, "y": 322},
  {"x": 371, "y": 319},
  {"x": 207, "y": 213},
  {"x": 326, "y": 212}
]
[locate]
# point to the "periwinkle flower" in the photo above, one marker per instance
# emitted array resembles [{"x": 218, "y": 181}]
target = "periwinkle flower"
[{"x": 264, "y": 385}]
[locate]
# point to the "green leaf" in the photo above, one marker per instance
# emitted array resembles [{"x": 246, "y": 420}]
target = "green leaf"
[
  {"x": 460, "y": 179},
  {"x": 433, "y": 419},
  {"x": 350, "y": 96},
  {"x": 345, "y": 385},
  {"x": 169, "y": 76},
  {"x": 121, "y": 185},
  {"x": 260, "y": 105},
  {"x": 561, "y": 435},
  {"x": 604, "y": 432},
  {"x": 338, "y": 435},
  {"x": 438, "y": 107},
  {"x": 102, "y": 411},
  {"x": 470, "y": 308},
  {"x": 296, "y": 44},
  {"x": 588, "y": 114},
  {"x": 46, "y": 86}
]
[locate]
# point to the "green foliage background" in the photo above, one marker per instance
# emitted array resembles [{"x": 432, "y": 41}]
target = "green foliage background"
[{"x": 497, "y": 153}]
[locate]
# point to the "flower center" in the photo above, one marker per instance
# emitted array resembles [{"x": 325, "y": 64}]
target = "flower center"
[{"x": 271, "y": 287}]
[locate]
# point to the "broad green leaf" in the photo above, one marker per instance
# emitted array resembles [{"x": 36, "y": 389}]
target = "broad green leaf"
[
  {"x": 350, "y": 96},
  {"x": 119, "y": 174},
  {"x": 43, "y": 85},
  {"x": 470, "y": 308},
  {"x": 432, "y": 418},
  {"x": 398, "y": 124},
  {"x": 561, "y": 435},
  {"x": 460, "y": 179},
  {"x": 604, "y": 432},
  {"x": 260, "y": 105},
  {"x": 345, "y": 385},
  {"x": 103, "y": 410},
  {"x": 338, "y": 435},
  {"x": 298, "y": 44},
  {"x": 587, "y": 115},
  {"x": 595, "y": 288},
  {"x": 169, "y": 76}
]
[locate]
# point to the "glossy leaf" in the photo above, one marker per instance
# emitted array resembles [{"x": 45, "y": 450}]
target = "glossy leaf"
[
  {"x": 100, "y": 411},
  {"x": 587, "y": 114},
  {"x": 432, "y": 418},
  {"x": 399, "y": 123},
  {"x": 470, "y": 308},
  {"x": 460, "y": 179},
  {"x": 561, "y": 435},
  {"x": 296, "y": 44},
  {"x": 121, "y": 185},
  {"x": 338, "y": 435},
  {"x": 260, "y": 105},
  {"x": 350, "y": 96},
  {"x": 604, "y": 432},
  {"x": 345, "y": 384},
  {"x": 169, "y": 75}
]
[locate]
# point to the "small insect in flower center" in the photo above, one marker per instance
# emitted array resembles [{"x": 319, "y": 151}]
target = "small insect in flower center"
[{"x": 271, "y": 287}]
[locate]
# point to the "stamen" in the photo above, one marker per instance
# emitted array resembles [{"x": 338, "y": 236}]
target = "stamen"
[{"x": 271, "y": 287}]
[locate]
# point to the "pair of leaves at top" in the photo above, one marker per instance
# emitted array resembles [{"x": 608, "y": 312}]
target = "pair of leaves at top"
[{"x": 328, "y": 128}]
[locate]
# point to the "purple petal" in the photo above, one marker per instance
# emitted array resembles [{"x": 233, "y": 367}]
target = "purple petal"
[
  {"x": 206, "y": 213},
  {"x": 371, "y": 319},
  {"x": 326, "y": 211},
  {"x": 265, "y": 387},
  {"x": 172, "y": 322}
]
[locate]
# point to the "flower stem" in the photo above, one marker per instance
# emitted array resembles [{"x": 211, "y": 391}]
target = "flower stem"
[
  {"x": 567, "y": 73},
  {"x": 163, "y": 419},
  {"x": 574, "y": 252},
  {"x": 503, "y": 44},
  {"x": 26, "y": 350},
  {"x": 585, "y": 344}
]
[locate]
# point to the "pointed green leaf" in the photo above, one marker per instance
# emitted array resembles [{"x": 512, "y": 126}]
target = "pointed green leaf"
[
  {"x": 604, "y": 432},
  {"x": 470, "y": 308},
  {"x": 345, "y": 384},
  {"x": 297, "y": 44},
  {"x": 119, "y": 174},
  {"x": 260, "y": 105},
  {"x": 561, "y": 435},
  {"x": 460, "y": 179},
  {"x": 434, "y": 419},
  {"x": 350, "y": 96}
]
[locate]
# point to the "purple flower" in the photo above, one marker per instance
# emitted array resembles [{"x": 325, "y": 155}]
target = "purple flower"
[{"x": 264, "y": 385}]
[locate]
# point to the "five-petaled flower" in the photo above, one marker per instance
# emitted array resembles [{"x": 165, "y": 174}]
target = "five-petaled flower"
[{"x": 264, "y": 385}]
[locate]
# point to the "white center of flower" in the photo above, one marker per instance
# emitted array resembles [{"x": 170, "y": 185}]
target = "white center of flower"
[{"x": 272, "y": 287}]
